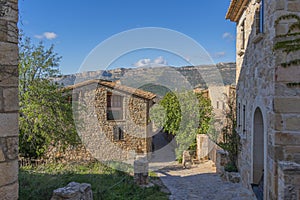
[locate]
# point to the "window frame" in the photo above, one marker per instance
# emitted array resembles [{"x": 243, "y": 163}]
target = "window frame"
[
  {"x": 114, "y": 104},
  {"x": 118, "y": 133},
  {"x": 259, "y": 18}
]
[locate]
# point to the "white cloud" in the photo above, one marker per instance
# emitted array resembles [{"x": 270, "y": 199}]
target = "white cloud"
[
  {"x": 47, "y": 35},
  {"x": 142, "y": 62},
  {"x": 219, "y": 54},
  {"x": 147, "y": 62},
  {"x": 228, "y": 36},
  {"x": 160, "y": 60}
]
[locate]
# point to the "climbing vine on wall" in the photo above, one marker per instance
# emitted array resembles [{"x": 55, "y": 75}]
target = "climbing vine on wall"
[{"x": 289, "y": 42}]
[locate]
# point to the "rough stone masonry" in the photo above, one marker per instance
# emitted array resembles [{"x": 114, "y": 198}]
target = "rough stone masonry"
[{"x": 9, "y": 99}]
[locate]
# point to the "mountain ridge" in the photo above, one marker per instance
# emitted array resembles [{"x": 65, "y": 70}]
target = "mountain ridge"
[{"x": 192, "y": 74}]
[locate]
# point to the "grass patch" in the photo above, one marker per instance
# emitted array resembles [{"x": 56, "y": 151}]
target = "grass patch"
[{"x": 39, "y": 182}]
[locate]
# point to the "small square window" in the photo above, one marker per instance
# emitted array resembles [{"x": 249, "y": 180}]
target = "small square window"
[{"x": 118, "y": 133}]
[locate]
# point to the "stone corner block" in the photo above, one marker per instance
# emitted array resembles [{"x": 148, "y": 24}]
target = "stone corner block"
[
  {"x": 10, "y": 192},
  {"x": 11, "y": 99},
  {"x": 9, "y": 124},
  {"x": 287, "y": 105},
  {"x": 9, "y": 172}
]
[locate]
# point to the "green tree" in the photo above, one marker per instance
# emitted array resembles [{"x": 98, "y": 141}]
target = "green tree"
[
  {"x": 184, "y": 114},
  {"x": 45, "y": 115}
]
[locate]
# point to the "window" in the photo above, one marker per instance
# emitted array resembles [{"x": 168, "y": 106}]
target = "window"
[
  {"x": 118, "y": 133},
  {"x": 114, "y": 107},
  {"x": 243, "y": 35},
  {"x": 259, "y": 18},
  {"x": 72, "y": 97}
]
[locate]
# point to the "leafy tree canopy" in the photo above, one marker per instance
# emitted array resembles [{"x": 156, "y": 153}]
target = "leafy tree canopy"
[
  {"x": 184, "y": 114},
  {"x": 45, "y": 115}
]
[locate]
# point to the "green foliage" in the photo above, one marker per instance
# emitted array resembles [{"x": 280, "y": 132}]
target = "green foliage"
[
  {"x": 291, "y": 63},
  {"x": 229, "y": 167},
  {"x": 288, "y": 45},
  {"x": 293, "y": 84},
  {"x": 185, "y": 115},
  {"x": 45, "y": 116},
  {"x": 39, "y": 182},
  {"x": 231, "y": 139}
]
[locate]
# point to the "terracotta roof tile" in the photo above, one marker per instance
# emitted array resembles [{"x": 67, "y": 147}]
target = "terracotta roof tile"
[{"x": 116, "y": 86}]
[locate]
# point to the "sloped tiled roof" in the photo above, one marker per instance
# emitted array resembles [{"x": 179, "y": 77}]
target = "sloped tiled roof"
[
  {"x": 236, "y": 9},
  {"x": 116, "y": 86}
]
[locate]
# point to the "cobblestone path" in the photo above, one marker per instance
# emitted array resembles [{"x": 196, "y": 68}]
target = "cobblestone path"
[{"x": 200, "y": 182}]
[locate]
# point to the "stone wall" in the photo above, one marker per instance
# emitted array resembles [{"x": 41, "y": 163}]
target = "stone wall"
[
  {"x": 9, "y": 104},
  {"x": 97, "y": 133},
  {"x": 262, "y": 83},
  {"x": 76, "y": 153},
  {"x": 288, "y": 180}
]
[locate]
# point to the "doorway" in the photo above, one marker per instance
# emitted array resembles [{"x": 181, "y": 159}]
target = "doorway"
[{"x": 258, "y": 154}]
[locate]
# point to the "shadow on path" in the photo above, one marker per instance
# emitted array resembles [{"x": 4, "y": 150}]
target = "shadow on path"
[{"x": 200, "y": 182}]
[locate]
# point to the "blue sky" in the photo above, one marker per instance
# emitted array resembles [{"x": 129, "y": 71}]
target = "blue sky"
[{"x": 77, "y": 27}]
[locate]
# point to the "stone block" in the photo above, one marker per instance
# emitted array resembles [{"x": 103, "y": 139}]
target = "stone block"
[
  {"x": 278, "y": 153},
  {"x": 287, "y": 105},
  {"x": 287, "y": 138},
  {"x": 9, "y": 124},
  {"x": 141, "y": 168},
  {"x": 3, "y": 30},
  {"x": 221, "y": 160},
  {"x": 282, "y": 28},
  {"x": 12, "y": 144},
  {"x": 288, "y": 188},
  {"x": 294, "y": 6},
  {"x": 8, "y": 54},
  {"x": 9, "y": 172},
  {"x": 2, "y": 156},
  {"x": 289, "y": 74},
  {"x": 9, "y": 192},
  {"x": 11, "y": 99},
  {"x": 233, "y": 177},
  {"x": 293, "y": 124},
  {"x": 292, "y": 153},
  {"x": 278, "y": 122},
  {"x": 8, "y": 32},
  {"x": 73, "y": 191},
  {"x": 280, "y": 4},
  {"x": 1, "y": 101},
  {"x": 202, "y": 147},
  {"x": 9, "y": 76},
  {"x": 9, "y": 11}
]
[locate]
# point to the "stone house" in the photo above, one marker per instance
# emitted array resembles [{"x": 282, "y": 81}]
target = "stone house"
[
  {"x": 116, "y": 124},
  {"x": 268, "y": 95},
  {"x": 219, "y": 104}
]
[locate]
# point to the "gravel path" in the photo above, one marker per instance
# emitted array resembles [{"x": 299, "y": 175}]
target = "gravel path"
[{"x": 200, "y": 182}]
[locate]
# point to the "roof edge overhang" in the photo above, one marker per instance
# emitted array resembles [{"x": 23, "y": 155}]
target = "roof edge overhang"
[
  {"x": 236, "y": 9},
  {"x": 113, "y": 85}
]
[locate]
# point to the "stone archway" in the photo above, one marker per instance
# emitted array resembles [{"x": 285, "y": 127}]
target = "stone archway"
[{"x": 258, "y": 147}]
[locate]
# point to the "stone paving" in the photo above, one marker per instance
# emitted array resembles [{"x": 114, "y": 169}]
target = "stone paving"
[{"x": 200, "y": 182}]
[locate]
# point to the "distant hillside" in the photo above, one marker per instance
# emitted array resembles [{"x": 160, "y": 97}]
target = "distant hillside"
[{"x": 162, "y": 75}]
